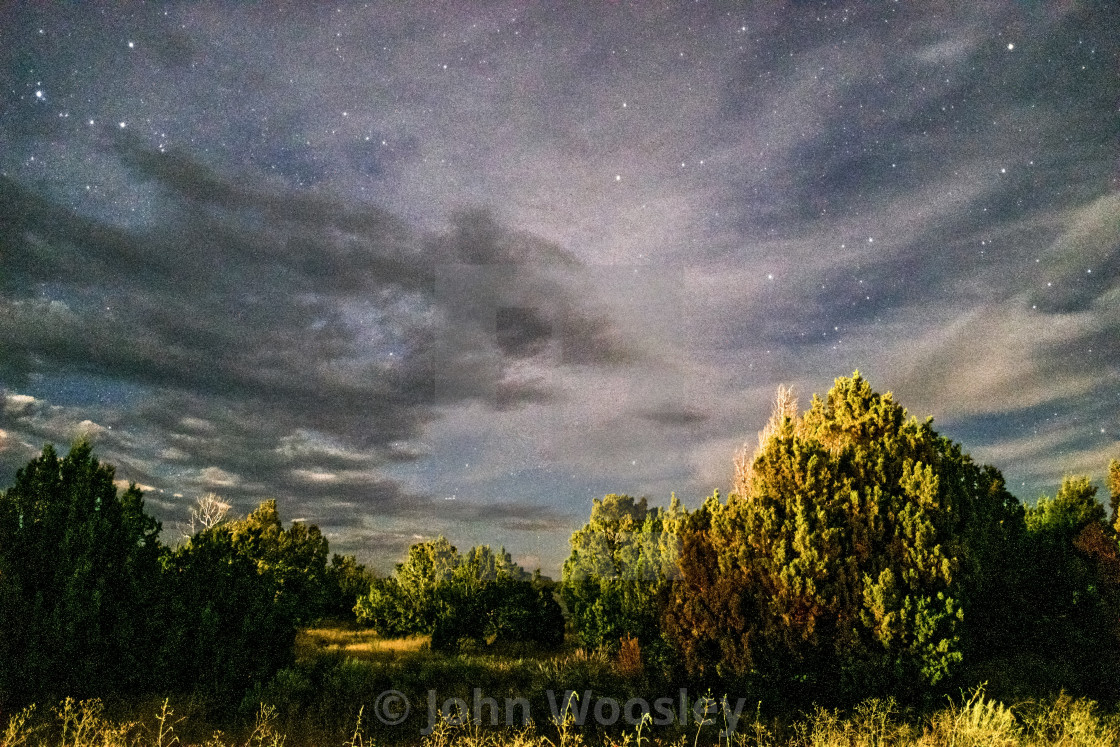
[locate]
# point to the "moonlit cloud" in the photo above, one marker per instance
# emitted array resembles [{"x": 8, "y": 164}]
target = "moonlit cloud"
[{"x": 414, "y": 268}]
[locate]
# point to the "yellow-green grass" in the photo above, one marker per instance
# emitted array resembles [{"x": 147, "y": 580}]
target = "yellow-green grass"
[
  {"x": 355, "y": 643},
  {"x": 347, "y": 641}
]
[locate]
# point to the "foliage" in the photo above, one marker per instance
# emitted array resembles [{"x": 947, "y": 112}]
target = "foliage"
[
  {"x": 91, "y": 603},
  {"x": 712, "y": 604},
  {"x": 860, "y": 553},
  {"x": 971, "y": 720},
  {"x": 347, "y": 580},
  {"x": 849, "y": 559},
  {"x": 481, "y": 596},
  {"x": 79, "y": 571},
  {"x": 295, "y": 558},
  {"x": 407, "y": 602},
  {"x": 1114, "y": 494},
  {"x": 619, "y": 570},
  {"x": 228, "y": 627},
  {"x": 1073, "y": 593},
  {"x": 499, "y": 610}
]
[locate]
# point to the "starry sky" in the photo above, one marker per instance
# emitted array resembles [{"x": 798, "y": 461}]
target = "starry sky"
[{"x": 459, "y": 268}]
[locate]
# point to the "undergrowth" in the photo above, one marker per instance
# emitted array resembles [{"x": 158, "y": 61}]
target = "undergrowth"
[{"x": 973, "y": 720}]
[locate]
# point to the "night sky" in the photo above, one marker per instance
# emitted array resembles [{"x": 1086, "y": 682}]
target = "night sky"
[{"x": 422, "y": 268}]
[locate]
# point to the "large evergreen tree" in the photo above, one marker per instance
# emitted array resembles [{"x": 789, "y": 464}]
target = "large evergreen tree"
[
  {"x": 79, "y": 575},
  {"x": 856, "y": 545}
]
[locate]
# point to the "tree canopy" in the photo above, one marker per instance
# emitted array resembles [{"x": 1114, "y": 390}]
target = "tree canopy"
[
  {"x": 91, "y": 602},
  {"x": 620, "y": 566},
  {"x": 859, "y": 553}
]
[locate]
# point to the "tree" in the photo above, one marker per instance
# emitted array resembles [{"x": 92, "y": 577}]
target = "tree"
[
  {"x": 239, "y": 589},
  {"x": 227, "y": 629},
  {"x": 79, "y": 573},
  {"x": 1114, "y": 494},
  {"x": 481, "y": 596},
  {"x": 619, "y": 569},
  {"x": 387, "y": 609},
  {"x": 709, "y": 613},
  {"x": 1072, "y": 590},
  {"x": 491, "y": 599},
  {"x": 407, "y": 603},
  {"x": 347, "y": 581},
  {"x": 208, "y": 511},
  {"x": 848, "y": 558},
  {"x": 482, "y": 564},
  {"x": 495, "y": 611},
  {"x": 295, "y": 557}
]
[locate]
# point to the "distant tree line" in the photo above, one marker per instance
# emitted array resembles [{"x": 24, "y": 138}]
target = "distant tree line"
[{"x": 858, "y": 553}]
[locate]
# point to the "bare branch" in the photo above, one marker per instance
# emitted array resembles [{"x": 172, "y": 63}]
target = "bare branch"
[
  {"x": 208, "y": 511},
  {"x": 785, "y": 407}
]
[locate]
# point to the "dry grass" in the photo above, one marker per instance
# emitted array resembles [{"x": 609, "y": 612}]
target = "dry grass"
[
  {"x": 975, "y": 721},
  {"x": 355, "y": 643}
]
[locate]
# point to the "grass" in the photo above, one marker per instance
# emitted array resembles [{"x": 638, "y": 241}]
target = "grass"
[
  {"x": 973, "y": 721},
  {"x": 329, "y": 698},
  {"x": 357, "y": 643}
]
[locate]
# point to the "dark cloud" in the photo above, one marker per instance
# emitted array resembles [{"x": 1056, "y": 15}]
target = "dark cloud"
[
  {"x": 252, "y": 313},
  {"x": 674, "y": 416},
  {"x": 366, "y": 259}
]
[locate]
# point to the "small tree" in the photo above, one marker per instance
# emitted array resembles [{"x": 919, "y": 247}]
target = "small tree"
[
  {"x": 482, "y": 596},
  {"x": 1072, "y": 590},
  {"x": 208, "y": 511},
  {"x": 618, "y": 572}
]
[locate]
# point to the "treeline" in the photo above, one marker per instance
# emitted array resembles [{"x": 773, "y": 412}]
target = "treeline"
[
  {"x": 93, "y": 603},
  {"x": 859, "y": 553}
]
